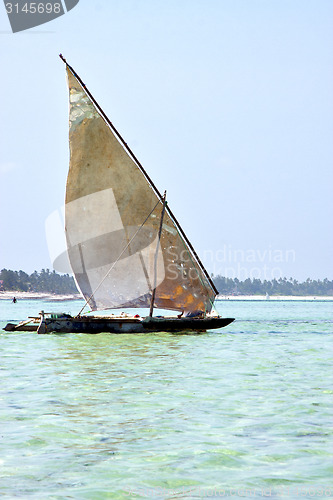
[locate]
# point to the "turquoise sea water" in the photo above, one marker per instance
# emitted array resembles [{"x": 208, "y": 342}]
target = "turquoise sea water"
[{"x": 245, "y": 411}]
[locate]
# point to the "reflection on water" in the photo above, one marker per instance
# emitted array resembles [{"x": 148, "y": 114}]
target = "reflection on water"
[{"x": 93, "y": 416}]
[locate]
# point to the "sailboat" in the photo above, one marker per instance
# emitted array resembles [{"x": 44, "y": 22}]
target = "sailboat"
[{"x": 125, "y": 246}]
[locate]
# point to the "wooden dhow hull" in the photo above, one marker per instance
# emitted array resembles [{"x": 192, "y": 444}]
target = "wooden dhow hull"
[{"x": 98, "y": 324}]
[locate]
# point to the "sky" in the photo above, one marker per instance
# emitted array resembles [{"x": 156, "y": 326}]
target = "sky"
[{"x": 228, "y": 105}]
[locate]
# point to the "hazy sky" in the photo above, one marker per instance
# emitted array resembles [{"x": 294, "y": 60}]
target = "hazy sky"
[{"x": 228, "y": 104}]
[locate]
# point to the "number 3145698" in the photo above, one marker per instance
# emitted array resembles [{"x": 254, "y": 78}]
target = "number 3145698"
[{"x": 33, "y": 8}]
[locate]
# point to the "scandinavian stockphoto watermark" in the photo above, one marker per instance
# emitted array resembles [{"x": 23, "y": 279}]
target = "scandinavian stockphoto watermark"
[
  {"x": 236, "y": 492},
  {"x": 91, "y": 250},
  {"x": 254, "y": 263},
  {"x": 264, "y": 264},
  {"x": 25, "y": 15}
]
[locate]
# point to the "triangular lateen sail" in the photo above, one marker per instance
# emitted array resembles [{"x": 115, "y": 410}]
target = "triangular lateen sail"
[{"x": 108, "y": 198}]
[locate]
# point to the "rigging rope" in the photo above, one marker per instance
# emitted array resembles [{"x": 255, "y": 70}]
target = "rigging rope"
[{"x": 109, "y": 271}]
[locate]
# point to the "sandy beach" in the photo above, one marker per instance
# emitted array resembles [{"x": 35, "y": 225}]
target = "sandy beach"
[
  {"x": 8, "y": 295},
  {"x": 274, "y": 297}
]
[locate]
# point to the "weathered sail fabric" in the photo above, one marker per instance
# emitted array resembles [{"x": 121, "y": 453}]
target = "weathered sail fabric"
[{"x": 112, "y": 219}]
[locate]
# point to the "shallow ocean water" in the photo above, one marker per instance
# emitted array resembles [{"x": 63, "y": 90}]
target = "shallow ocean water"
[{"x": 243, "y": 411}]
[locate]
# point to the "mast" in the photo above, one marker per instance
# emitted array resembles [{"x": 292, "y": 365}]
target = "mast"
[
  {"x": 156, "y": 253},
  {"x": 122, "y": 141}
]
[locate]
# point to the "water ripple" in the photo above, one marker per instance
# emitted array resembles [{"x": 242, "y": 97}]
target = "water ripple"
[{"x": 96, "y": 417}]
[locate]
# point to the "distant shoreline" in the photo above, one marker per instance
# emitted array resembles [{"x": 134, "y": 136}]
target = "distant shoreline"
[
  {"x": 9, "y": 295},
  {"x": 274, "y": 298}
]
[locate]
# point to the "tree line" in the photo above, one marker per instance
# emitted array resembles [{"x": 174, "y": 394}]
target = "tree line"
[
  {"x": 281, "y": 286},
  {"x": 51, "y": 282},
  {"x": 45, "y": 281}
]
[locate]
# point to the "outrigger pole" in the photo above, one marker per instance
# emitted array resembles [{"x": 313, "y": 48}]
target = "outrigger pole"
[{"x": 108, "y": 121}]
